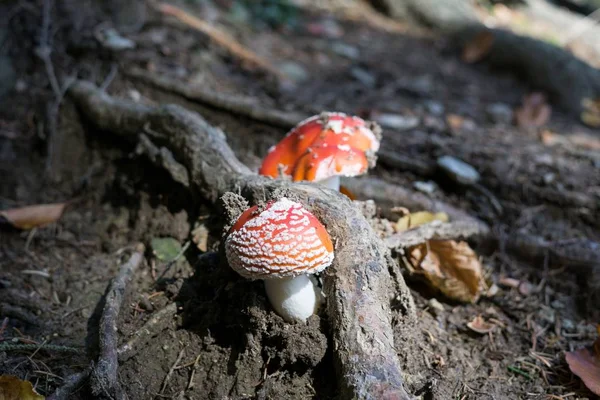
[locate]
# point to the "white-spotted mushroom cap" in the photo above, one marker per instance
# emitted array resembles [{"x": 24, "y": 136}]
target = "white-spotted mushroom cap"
[
  {"x": 283, "y": 240},
  {"x": 326, "y": 129}
]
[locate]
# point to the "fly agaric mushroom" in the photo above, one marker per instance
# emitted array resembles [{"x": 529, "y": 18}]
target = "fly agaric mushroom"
[
  {"x": 325, "y": 164},
  {"x": 329, "y": 129},
  {"x": 282, "y": 244}
]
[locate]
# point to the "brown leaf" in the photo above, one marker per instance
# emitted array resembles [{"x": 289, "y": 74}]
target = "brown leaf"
[
  {"x": 585, "y": 363},
  {"x": 478, "y": 47},
  {"x": 33, "y": 216},
  {"x": 345, "y": 191},
  {"x": 12, "y": 388},
  {"x": 452, "y": 267},
  {"x": 534, "y": 112},
  {"x": 591, "y": 112},
  {"x": 480, "y": 325}
]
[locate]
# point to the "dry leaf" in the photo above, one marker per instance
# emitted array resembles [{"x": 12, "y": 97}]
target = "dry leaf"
[
  {"x": 480, "y": 325},
  {"x": 33, "y": 216},
  {"x": 12, "y": 388},
  {"x": 585, "y": 363},
  {"x": 591, "y": 112},
  {"x": 534, "y": 112},
  {"x": 479, "y": 47},
  {"x": 452, "y": 267},
  {"x": 455, "y": 122},
  {"x": 418, "y": 218},
  {"x": 345, "y": 191},
  {"x": 200, "y": 237}
]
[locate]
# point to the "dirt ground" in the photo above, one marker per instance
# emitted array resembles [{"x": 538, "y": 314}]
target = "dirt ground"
[{"x": 226, "y": 342}]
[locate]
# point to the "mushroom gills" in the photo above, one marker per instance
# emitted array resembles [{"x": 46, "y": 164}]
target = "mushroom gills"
[{"x": 294, "y": 298}]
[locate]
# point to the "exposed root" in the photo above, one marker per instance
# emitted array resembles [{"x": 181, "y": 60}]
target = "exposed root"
[
  {"x": 389, "y": 195},
  {"x": 247, "y": 107},
  {"x": 70, "y": 385},
  {"x": 435, "y": 230},
  {"x": 163, "y": 158},
  {"x": 104, "y": 380},
  {"x": 358, "y": 285}
]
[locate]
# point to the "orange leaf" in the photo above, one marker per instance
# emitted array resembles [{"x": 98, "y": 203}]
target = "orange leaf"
[
  {"x": 585, "y": 363},
  {"x": 344, "y": 190},
  {"x": 452, "y": 267},
  {"x": 534, "y": 112},
  {"x": 479, "y": 47},
  {"x": 33, "y": 216},
  {"x": 12, "y": 388}
]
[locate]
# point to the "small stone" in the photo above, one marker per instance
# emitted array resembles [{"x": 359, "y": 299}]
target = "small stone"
[
  {"x": 547, "y": 314},
  {"x": 145, "y": 304},
  {"x": 434, "y": 107},
  {"x": 21, "y": 86},
  {"x": 345, "y": 50},
  {"x": 435, "y": 306},
  {"x": 549, "y": 178},
  {"x": 557, "y": 305},
  {"x": 111, "y": 39},
  {"x": 499, "y": 113},
  {"x": 294, "y": 71},
  {"x": 568, "y": 325},
  {"x": 134, "y": 95},
  {"x": 458, "y": 170},
  {"x": 397, "y": 121},
  {"x": 363, "y": 76},
  {"x": 425, "y": 187}
]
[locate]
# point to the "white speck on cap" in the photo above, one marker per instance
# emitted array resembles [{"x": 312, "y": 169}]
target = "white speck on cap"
[{"x": 283, "y": 240}]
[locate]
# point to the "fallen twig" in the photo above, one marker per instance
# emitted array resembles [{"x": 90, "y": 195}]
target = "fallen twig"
[
  {"x": 152, "y": 327},
  {"x": 103, "y": 380},
  {"x": 358, "y": 285},
  {"x": 168, "y": 377},
  {"x": 70, "y": 384},
  {"x": 435, "y": 230},
  {"x": 221, "y": 38}
]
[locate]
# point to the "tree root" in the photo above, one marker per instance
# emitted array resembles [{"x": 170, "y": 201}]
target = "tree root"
[
  {"x": 381, "y": 192},
  {"x": 103, "y": 379},
  {"x": 247, "y": 107},
  {"x": 435, "y": 230},
  {"x": 72, "y": 383},
  {"x": 358, "y": 285}
]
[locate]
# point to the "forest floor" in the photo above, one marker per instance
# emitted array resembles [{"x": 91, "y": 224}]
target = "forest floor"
[{"x": 226, "y": 342}]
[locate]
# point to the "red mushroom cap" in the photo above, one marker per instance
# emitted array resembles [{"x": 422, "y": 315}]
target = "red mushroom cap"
[
  {"x": 283, "y": 240},
  {"x": 327, "y": 128},
  {"x": 325, "y": 161}
]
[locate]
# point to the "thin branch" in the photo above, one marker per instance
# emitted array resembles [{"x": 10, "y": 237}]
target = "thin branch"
[
  {"x": 103, "y": 380},
  {"x": 220, "y": 37},
  {"x": 157, "y": 323}
]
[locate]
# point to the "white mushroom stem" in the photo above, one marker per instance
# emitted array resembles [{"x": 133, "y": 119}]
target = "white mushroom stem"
[
  {"x": 294, "y": 298},
  {"x": 331, "y": 182}
]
